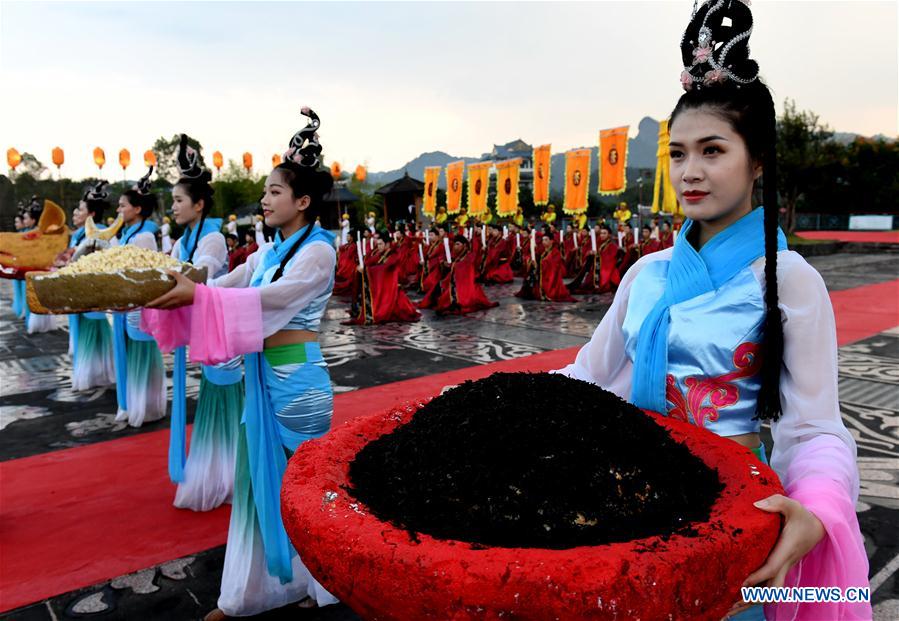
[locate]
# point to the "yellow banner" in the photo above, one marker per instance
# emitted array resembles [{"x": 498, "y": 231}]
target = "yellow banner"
[
  {"x": 478, "y": 183},
  {"x": 454, "y": 177},
  {"x": 577, "y": 180},
  {"x": 613, "y": 160},
  {"x": 663, "y": 196},
  {"x": 542, "y": 160},
  {"x": 429, "y": 202},
  {"x": 507, "y": 187}
]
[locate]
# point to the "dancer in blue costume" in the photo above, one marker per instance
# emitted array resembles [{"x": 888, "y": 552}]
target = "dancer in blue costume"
[
  {"x": 206, "y": 477},
  {"x": 34, "y": 323},
  {"x": 90, "y": 337},
  {"x": 140, "y": 374},
  {"x": 18, "y": 286},
  {"x": 289, "y": 394},
  {"x": 729, "y": 328}
]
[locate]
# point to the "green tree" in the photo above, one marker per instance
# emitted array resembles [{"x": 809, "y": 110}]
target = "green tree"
[{"x": 804, "y": 147}]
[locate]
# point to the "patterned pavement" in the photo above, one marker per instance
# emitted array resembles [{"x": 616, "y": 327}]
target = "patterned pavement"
[{"x": 40, "y": 414}]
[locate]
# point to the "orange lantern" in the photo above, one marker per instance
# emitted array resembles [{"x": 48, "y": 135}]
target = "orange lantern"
[
  {"x": 248, "y": 161},
  {"x": 149, "y": 158},
  {"x": 217, "y": 160},
  {"x": 361, "y": 173},
  {"x": 13, "y": 158},
  {"x": 124, "y": 158},
  {"x": 335, "y": 170},
  {"x": 276, "y": 159},
  {"x": 59, "y": 157},
  {"x": 99, "y": 157}
]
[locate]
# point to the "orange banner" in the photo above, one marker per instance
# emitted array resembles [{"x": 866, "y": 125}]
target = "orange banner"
[
  {"x": 613, "y": 160},
  {"x": 663, "y": 197},
  {"x": 454, "y": 177},
  {"x": 542, "y": 161},
  {"x": 577, "y": 180},
  {"x": 478, "y": 184},
  {"x": 429, "y": 202},
  {"x": 507, "y": 187}
]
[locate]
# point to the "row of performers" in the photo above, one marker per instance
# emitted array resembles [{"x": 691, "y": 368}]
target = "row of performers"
[{"x": 376, "y": 270}]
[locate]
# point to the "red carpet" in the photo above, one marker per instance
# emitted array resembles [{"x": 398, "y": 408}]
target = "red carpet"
[
  {"x": 885, "y": 237},
  {"x": 76, "y": 517}
]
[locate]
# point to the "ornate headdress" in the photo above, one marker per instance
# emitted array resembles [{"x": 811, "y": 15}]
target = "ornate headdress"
[
  {"x": 304, "y": 148},
  {"x": 97, "y": 192},
  {"x": 715, "y": 45},
  {"x": 143, "y": 184},
  {"x": 188, "y": 160}
]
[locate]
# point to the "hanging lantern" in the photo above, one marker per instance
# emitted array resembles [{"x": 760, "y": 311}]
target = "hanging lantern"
[
  {"x": 124, "y": 158},
  {"x": 149, "y": 158},
  {"x": 217, "y": 160},
  {"x": 335, "y": 170},
  {"x": 276, "y": 159},
  {"x": 248, "y": 161},
  {"x": 361, "y": 173},
  {"x": 13, "y": 158},
  {"x": 99, "y": 157},
  {"x": 59, "y": 157}
]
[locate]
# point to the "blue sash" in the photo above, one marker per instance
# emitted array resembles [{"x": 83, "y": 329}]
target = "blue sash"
[
  {"x": 266, "y": 438},
  {"x": 145, "y": 226},
  {"x": 690, "y": 274}
]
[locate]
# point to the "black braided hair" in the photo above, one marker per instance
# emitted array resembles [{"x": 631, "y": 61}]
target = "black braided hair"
[
  {"x": 95, "y": 198},
  {"x": 195, "y": 181}
]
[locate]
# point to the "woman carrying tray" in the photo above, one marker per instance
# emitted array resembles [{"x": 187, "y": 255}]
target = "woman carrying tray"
[
  {"x": 205, "y": 478},
  {"x": 270, "y": 309},
  {"x": 729, "y": 328},
  {"x": 140, "y": 374},
  {"x": 34, "y": 323},
  {"x": 90, "y": 336}
]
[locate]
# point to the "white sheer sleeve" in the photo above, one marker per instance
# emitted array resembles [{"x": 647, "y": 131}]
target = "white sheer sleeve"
[
  {"x": 145, "y": 240},
  {"x": 808, "y": 384},
  {"x": 306, "y": 278},
  {"x": 603, "y": 361}
]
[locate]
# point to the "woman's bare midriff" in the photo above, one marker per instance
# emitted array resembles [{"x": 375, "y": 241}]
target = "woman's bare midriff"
[
  {"x": 289, "y": 337},
  {"x": 749, "y": 440}
]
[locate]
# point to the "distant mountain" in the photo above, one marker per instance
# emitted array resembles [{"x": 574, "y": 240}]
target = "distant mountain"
[{"x": 641, "y": 154}]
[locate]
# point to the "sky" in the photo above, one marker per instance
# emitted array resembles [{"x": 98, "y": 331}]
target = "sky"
[{"x": 393, "y": 80}]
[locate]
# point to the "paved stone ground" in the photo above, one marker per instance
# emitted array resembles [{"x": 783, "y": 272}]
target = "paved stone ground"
[{"x": 39, "y": 414}]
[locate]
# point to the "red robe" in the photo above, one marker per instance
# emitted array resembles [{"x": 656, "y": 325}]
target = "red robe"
[
  {"x": 649, "y": 246},
  {"x": 498, "y": 261},
  {"x": 345, "y": 275},
  {"x": 601, "y": 277},
  {"x": 630, "y": 255},
  {"x": 544, "y": 279},
  {"x": 666, "y": 240},
  {"x": 570, "y": 256},
  {"x": 457, "y": 292},
  {"x": 430, "y": 274},
  {"x": 382, "y": 299}
]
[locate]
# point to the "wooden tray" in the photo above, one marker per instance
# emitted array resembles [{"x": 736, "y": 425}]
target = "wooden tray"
[{"x": 55, "y": 294}]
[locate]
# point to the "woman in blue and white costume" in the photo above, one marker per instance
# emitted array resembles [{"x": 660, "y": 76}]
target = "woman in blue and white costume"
[
  {"x": 18, "y": 285},
  {"x": 729, "y": 328},
  {"x": 140, "y": 374},
  {"x": 206, "y": 477},
  {"x": 90, "y": 337},
  {"x": 289, "y": 394},
  {"x": 34, "y": 323}
]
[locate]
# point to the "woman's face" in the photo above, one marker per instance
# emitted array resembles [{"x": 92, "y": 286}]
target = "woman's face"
[
  {"x": 79, "y": 216},
  {"x": 279, "y": 205},
  {"x": 547, "y": 242},
  {"x": 711, "y": 170},
  {"x": 130, "y": 213},
  {"x": 603, "y": 235},
  {"x": 186, "y": 212},
  {"x": 28, "y": 221},
  {"x": 19, "y": 224}
]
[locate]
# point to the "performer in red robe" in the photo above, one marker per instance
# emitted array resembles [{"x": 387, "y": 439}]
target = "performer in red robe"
[
  {"x": 599, "y": 276},
  {"x": 569, "y": 252},
  {"x": 648, "y": 245},
  {"x": 629, "y": 249},
  {"x": 381, "y": 300},
  {"x": 497, "y": 268},
  {"x": 434, "y": 256},
  {"x": 666, "y": 237},
  {"x": 457, "y": 292},
  {"x": 544, "y": 277},
  {"x": 345, "y": 274}
]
